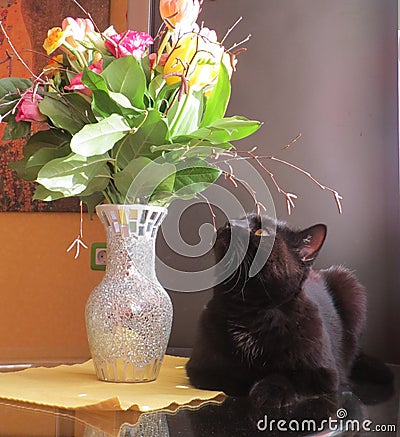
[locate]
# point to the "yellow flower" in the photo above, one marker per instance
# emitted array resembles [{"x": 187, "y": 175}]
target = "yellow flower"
[
  {"x": 175, "y": 12},
  {"x": 197, "y": 56},
  {"x": 55, "y": 38}
]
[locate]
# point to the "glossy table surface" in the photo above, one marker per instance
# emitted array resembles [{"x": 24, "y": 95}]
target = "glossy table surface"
[{"x": 367, "y": 411}]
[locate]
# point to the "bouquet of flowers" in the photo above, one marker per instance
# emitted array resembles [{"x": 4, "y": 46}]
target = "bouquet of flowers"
[{"x": 105, "y": 108}]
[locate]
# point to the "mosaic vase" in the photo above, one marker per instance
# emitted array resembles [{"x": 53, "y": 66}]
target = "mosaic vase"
[{"x": 129, "y": 314}]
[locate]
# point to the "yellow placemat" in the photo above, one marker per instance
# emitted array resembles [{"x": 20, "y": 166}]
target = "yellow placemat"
[{"x": 76, "y": 386}]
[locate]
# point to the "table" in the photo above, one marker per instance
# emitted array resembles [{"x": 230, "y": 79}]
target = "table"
[{"x": 235, "y": 417}]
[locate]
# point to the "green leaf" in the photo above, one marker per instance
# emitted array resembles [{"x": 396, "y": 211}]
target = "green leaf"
[
  {"x": 71, "y": 175},
  {"x": 93, "y": 80},
  {"x": 104, "y": 101},
  {"x": 122, "y": 100},
  {"x": 11, "y": 89},
  {"x": 13, "y": 85},
  {"x": 125, "y": 106},
  {"x": 107, "y": 59},
  {"x": 125, "y": 75},
  {"x": 99, "y": 182},
  {"x": 169, "y": 147},
  {"x": 145, "y": 63},
  {"x": 194, "y": 145},
  {"x": 19, "y": 167},
  {"x": 15, "y": 130},
  {"x": 142, "y": 178},
  {"x": 124, "y": 178},
  {"x": 237, "y": 126},
  {"x": 185, "y": 114},
  {"x": 155, "y": 86},
  {"x": 167, "y": 92},
  {"x": 45, "y": 155},
  {"x": 218, "y": 101},
  {"x": 103, "y": 105},
  {"x": 92, "y": 201},
  {"x": 224, "y": 130},
  {"x": 70, "y": 112},
  {"x": 162, "y": 198},
  {"x": 7, "y": 105},
  {"x": 194, "y": 176},
  {"x": 97, "y": 138},
  {"x": 42, "y": 157},
  {"x": 42, "y": 193},
  {"x": 152, "y": 131},
  {"x": 50, "y": 138},
  {"x": 42, "y": 147}
]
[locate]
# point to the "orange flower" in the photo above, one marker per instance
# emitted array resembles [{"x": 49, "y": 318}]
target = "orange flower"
[
  {"x": 55, "y": 38},
  {"x": 175, "y": 12},
  {"x": 54, "y": 65}
]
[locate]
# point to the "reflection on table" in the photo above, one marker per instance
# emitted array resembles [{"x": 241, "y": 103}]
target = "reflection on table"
[{"x": 234, "y": 417}]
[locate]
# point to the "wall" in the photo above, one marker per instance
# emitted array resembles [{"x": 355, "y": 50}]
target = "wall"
[
  {"x": 328, "y": 70},
  {"x": 43, "y": 288}
]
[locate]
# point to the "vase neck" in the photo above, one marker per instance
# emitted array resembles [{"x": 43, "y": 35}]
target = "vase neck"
[
  {"x": 131, "y": 255},
  {"x": 131, "y": 235}
]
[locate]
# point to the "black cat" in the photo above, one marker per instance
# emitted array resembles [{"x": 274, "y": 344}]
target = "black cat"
[{"x": 286, "y": 333}]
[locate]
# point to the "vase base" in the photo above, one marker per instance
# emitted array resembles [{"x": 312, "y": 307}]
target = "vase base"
[{"x": 120, "y": 370}]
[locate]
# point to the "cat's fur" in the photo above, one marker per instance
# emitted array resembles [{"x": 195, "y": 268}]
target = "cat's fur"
[{"x": 285, "y": 334}]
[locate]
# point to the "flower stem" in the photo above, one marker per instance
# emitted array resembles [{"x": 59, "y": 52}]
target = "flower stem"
[
  {"x": 162, "y": 47},
  {"x": 181, "y": 113},
  {"x": 75, "y": 52}
]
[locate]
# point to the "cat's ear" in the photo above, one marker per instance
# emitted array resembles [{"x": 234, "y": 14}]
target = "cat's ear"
[{"x": 311, "y": 242}]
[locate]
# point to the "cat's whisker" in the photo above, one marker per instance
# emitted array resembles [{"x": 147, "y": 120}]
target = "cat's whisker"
[
  {"x": 236, "y": 274},
  {"x": 264, "y": 287},
  {"x": 232, "y": 260}
]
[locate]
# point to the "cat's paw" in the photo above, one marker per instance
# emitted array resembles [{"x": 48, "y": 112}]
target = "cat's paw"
[{"x": 274, "y": 391}]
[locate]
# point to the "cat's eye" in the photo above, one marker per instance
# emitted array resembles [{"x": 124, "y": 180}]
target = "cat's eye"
[{"x": 261, "y": 233}]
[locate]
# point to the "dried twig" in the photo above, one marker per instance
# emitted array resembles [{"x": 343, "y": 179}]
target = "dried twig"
[
  {"x": 291, "y": 142},
  {"x": 184, "y": 86},
  {"x": 15, "y": 51},
  {"x": 289, "y": 197},
  {"x": 336, "y": 195},
  {"x": 229, "y": 175},
  {"x": 213, "y": 216},
  {"x": 88, "y": 14},
  {"x": 231, "y": 28},
  {"x": 78, "y": 242},
  {"x": 8, "y": 59},
  {"x": 240, "y": 43}
]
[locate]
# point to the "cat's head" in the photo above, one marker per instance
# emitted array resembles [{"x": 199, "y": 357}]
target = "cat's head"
[{"x": 266, "y": 260}]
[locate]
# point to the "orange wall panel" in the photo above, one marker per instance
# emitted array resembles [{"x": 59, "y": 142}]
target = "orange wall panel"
[{"x": 43, "y": 289}]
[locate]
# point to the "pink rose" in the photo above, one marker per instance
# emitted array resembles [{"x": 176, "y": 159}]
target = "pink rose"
[
  {"x": 129, "y": 43},
  {"x": 28, "y": 108},
  {"x": 75, "y": 84}
]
